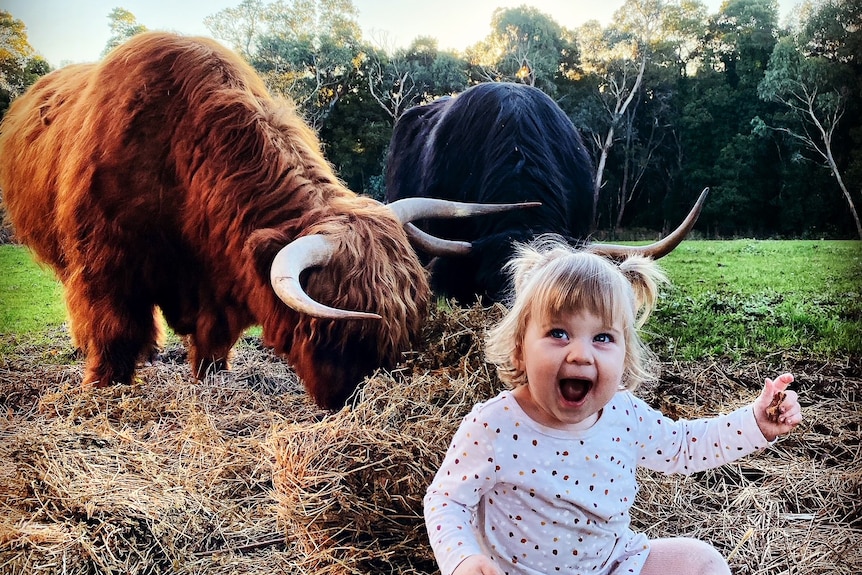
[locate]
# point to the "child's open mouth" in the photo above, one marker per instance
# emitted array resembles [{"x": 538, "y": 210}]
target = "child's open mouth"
[{"x": 575, "y": 390}]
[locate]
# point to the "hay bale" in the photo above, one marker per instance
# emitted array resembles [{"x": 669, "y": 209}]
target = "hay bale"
[
  {"x": 243, "y": 474},
  {"x": 350, "y": 487}
]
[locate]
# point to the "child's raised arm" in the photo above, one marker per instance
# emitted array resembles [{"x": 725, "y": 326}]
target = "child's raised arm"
[{"x": 777, "y": 410}]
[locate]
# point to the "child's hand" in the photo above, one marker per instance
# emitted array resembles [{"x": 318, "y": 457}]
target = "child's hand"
[
  {"x": 777, "y": 415},
  {"x": 477, "y": 565}
]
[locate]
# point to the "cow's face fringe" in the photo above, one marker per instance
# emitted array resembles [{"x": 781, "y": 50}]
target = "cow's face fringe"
[{"x": 374, "y": 269}]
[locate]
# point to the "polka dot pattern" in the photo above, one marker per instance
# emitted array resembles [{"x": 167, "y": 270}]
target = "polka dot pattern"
[{"x": 542, "y": 500}]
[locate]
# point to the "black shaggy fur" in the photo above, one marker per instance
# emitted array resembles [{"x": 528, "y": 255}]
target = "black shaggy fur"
[{"x": 494, "y": 143}]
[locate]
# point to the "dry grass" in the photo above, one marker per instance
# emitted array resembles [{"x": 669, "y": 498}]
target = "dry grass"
[{"x": 242, "y": 474}]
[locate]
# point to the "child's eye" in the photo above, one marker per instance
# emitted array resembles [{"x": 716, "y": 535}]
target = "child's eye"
[
  {"x": 604, "y": 338},
  {"x": 558, "y": 333}
]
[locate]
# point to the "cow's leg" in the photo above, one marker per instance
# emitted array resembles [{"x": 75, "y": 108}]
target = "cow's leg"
[
  {"x": 155, "y": 346},
  {"x": 210, "y": 345},
  {"x": 112, "y": 361},
  {"x": 113, "y": 329}
]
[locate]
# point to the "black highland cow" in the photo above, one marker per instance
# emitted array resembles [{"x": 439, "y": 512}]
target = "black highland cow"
[{"x": 499, "y": 143}]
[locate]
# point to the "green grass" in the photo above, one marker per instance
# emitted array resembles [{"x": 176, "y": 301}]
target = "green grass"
[
  {"x": 31, "y": 298},
  {"x": 747, "y": 299},
  {"x": 732, "y": 299}
]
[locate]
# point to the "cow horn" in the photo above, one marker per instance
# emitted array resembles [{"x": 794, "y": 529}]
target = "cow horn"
[
  {"x": 301, "y": 254},
  {"x": 410, "y": 209},
  {"x": 658, "y": 249},
  {"x": 434, "y": 245}
]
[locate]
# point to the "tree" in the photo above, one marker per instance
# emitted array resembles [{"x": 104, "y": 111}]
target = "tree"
[
  {"x": 716, "y": 106},
  {"x": 304, "y": 49},
  {"x": 683, "y": 28},
  {"x": 412, "y": 76},
  {"x": 834, "y": 31},
  {"x": 123, "y": 25},
  {"x": 19, "y": 64},
  {"x": 618, "y": 57},
  {"x": 651, "y": 191},
  {"x": 646, "y": 159},
  {"x": 355, "y": 139},
  {"x": 813, "y": 90},
  {"x": 742, "y": 37},
  {"x": 526, "y": 46},
  {"x": 240, "y": 26}
]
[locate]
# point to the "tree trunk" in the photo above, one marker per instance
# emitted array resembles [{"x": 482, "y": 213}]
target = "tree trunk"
[
  {"x": 844, "y": 191},
  {"x": 600, "y": 170},
  {"x": 620, "y": 109}
]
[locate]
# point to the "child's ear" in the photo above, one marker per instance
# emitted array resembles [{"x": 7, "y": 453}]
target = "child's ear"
[{"x": 518, "y": 358}]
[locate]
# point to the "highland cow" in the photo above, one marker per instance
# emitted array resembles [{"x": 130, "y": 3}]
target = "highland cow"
[
  {"x": 165, "y": 179},
  {"x": 499, "y": 142}
]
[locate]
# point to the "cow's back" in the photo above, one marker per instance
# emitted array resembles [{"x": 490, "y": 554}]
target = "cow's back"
[
  {"x": 140, "y": 150},
  {"x": 404, "y": 177},
  {"x": 34, "y": 137},
  {"x": 152, "y": 135}
]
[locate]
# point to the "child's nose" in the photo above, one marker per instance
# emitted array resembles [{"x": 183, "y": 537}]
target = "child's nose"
[{"x": 579, "y": 352}]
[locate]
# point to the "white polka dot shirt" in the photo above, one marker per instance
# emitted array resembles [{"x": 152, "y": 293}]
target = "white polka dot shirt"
[{"x": 540, "y": 500}]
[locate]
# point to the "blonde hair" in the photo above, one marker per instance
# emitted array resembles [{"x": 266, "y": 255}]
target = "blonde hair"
[{"x": 551, "y": 278}]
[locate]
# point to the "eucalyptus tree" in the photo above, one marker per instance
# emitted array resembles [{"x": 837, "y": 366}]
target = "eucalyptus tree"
[
  {"x": 20, "y": 66},
  {"x": 684, "y": 25},
  {"x": 647, "y": 158},
  {"x": 123, "y": 25},
  {"x": 406, "y": 77},
  {"x": 617, "y": 56},
  {"x": 742, "y": 36},
  {"x": 355, "y": 137},
  {"x": 743, "y": 171},
  {"x": 240, "y": 26},
  {"x": 816, "y": 79},
  {"x": 525, "y": 46},
  {"x": 305, "y": 49}
]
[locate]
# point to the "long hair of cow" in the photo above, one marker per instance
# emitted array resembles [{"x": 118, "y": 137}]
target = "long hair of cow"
[
  {"x": 157, "y": 165},
  {"x": 374, "y": 270}
]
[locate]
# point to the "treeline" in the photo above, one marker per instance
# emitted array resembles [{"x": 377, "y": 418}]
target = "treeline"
[{"x": 670, "y": 98}]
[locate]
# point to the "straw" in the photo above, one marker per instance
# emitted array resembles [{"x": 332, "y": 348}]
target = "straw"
[{"x": 241, "y": 473}]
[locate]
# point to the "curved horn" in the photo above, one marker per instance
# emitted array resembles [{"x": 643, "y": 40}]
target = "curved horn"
[
  {"x": 658, "y": 249},
  {"x": 300, "y": 254},
  {"x": 409, "y": 209},
  {"x": 434, "y": 245}
]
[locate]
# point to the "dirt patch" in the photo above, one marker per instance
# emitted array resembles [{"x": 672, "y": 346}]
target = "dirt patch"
[{"x": 243, "y": 474}]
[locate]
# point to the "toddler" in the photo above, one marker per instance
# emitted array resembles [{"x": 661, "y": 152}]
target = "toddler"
[{"x": 541, "y": 478}]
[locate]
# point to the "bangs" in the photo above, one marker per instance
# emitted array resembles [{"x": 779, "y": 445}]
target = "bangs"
[
  {"x": 586, "y": 284},
  {"x": 551, "y": 280}
]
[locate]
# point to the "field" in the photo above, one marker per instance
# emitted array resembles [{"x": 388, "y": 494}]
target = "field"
[{"x": 242, "y": 474}]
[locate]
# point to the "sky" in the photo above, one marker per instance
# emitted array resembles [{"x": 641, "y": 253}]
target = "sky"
[{"x": 66, "y": 31}]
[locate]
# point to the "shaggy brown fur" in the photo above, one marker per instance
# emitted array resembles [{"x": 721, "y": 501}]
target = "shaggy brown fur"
[{"x": 166, "y": 177}]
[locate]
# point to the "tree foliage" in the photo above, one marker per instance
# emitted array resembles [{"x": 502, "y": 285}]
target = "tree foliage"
[
  {"x": 814, "y": 81},
  {"x": 412, "y": 76},
  {"x": 526, "y": 46},
  {"x": 239, "y": 27},
  {"x": 20, "y": 66},
  {"x": 123, "y": 25},
  {"x": 670, "y": 98},
  {"x": 304, "y": 49}
]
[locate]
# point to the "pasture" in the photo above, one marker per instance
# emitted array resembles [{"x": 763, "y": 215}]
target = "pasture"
[{"x": 243, "y": 474}]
